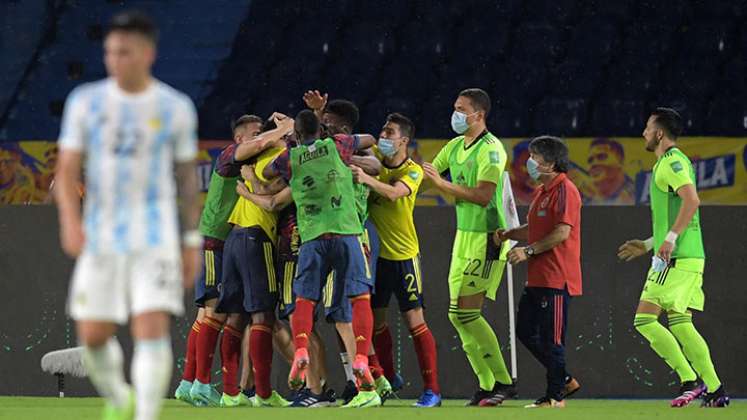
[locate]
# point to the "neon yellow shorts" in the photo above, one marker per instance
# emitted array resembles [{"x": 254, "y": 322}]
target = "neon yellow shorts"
[
  {"x": 677, "y": 288},
  {"x": 476, "y": 266}
]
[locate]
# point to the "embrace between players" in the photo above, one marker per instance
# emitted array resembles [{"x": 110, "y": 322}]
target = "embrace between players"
[{"x": 287, "y": 221}]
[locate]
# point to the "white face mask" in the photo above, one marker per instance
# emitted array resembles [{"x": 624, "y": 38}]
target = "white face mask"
[
  {"x": 459, "y": 121},
  {"x": 387, "y": 147}
]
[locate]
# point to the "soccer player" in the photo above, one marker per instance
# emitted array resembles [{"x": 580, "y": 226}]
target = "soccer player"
[
  {"x": 553, "y": 232},
  {"x": 476, "y": 160},
  {"x": 214, "y": 232},
  {"x": 675, "y": 279},
  {"x": 322, "y": 188},
  {"x": 340, "y": 116},
  {"x": 135, "y": 133},
  {"x": 313, "y": 394},
  {"x": 249, "y": 285},
  {"x": 398, "y": 266},
  {"x": 220, "y": 201}
]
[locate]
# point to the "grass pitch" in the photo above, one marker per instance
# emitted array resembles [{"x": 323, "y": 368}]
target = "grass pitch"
[{"x": 31, "y": 408}]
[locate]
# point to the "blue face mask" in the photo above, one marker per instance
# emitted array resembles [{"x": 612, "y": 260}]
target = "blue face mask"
[
  {"x": 386, "y": 147},
  {"x": 459, "y": 122},
  {"x": 533, "y": 169}
]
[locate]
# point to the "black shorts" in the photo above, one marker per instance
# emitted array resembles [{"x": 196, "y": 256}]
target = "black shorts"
[
  {"x": 249, "y": 283},
  {"x": 286, "y": 273},
  {"x": 401, "y": 278},
  {"x": 208, "y": 282}
]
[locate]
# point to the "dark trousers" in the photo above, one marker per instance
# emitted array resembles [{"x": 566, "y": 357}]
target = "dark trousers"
[{"x": 540, "y": 326}]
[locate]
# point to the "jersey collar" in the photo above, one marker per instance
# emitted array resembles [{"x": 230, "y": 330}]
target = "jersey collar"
[
  {"x": 477, "y": 139},
  {"x": 555, "y": 182}
]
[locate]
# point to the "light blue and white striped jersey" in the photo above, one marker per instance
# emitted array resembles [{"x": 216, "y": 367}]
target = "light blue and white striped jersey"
[{"x": 130, "y": 143}]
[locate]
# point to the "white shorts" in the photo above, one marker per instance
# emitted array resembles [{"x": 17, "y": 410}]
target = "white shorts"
[{"x": 114, "y": 287}]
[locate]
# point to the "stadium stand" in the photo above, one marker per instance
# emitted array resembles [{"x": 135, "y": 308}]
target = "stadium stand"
[{"x": 569, "y": 67}]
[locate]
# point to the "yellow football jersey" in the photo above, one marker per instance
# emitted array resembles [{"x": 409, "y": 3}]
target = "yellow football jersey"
[{"x": 394, "y": 219}]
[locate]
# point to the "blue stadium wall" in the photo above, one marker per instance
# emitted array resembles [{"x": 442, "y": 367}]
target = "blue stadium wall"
[{"x": 604, "y": 351}]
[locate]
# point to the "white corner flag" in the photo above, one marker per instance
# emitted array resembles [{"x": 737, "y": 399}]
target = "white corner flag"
[{"x": 512, "y": 221}]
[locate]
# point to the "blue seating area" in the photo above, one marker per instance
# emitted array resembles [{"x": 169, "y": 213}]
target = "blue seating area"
[
  {"x": 21, "y": 30},
  {"x": 193, "y": 42},
  {"x": 567, "y": 67}
]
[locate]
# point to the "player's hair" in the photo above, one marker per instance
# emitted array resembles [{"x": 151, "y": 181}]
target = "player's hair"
[
  {"x": 406, "y": 127},
  {"x": 669, "y": 120},
  {"x": 478, "y": 98},
  {"x": 134, "y": 21},
  {"x": 615, "y": 146},
  {"x": 306, "y": 124},
  {"x": 552, "y": 149},
  {"x": 344, "y": 109},
  {"x": 243, "y": 120},
  {"x": 267, "y": 125}
]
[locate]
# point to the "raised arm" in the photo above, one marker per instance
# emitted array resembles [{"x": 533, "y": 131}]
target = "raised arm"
[{"x": 264, "y": 141}]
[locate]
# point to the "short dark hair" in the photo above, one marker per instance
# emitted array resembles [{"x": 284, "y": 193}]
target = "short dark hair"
[
  {"x": 479, "y": 99},
  {"x": 243, "y": 120},
  {"x": 306, "y": 124},
  {"x": 614, "y": 145},
  {"x": 406, "y": 127},
  {"x": 552, "y": 149},
  {"x": 134, "y": 21},
  {"x": 344, "y": 109},
  {"x": 669, "y": 120}
]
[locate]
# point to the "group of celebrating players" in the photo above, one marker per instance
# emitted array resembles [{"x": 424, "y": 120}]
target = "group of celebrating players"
[
  {"x": 286, "y": 225},
  {"x": 304, "y": 220}
]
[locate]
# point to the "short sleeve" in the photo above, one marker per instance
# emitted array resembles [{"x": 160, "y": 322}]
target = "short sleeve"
[
  {"x": 185, "y": 141},
  {"x": 72, "y": 131},
  {"x": 266, "y": 158},
  {"x": 225, "y": 165},
  {"x": 567, "y": 204},
  {"x": 490, "y": 163},
  {"x": 673, "y": 173},
  {"x": 346, "y": 146},
  {"x": 282, "y": 165},
  {"x": 412, "y": 178},
  {"x": 441, "y": 161}
]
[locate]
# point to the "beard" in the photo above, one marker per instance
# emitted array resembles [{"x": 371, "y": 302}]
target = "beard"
[{"x": 651, "y": 145}]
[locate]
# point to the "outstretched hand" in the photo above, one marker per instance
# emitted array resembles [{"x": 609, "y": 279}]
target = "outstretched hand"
[
  {"x": 631, "y": 250},
  {"x": 315, "y": 100}
]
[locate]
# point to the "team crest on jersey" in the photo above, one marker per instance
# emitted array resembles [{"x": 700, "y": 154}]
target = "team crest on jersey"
[
  {"x": 676, "y": 166},
  {"x": 494, "y": 158},
  {"x": 413, "y": 175},
  {"x": 545, "y": 202}
]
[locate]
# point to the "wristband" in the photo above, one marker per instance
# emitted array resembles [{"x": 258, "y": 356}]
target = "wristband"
[
  {"x": 649, "y": 243},
  {"x": 192, "y": 239},
  {"x": 671, "y": 237}
]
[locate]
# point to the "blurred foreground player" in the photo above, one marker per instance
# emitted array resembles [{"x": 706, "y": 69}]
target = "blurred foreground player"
[
  {"x": 674, "y": 283},
  {"x": 553, "y": 235},
  {"x": 136, "y": 133}
]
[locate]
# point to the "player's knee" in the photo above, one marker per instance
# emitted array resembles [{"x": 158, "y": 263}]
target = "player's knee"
[
  {"x": 236, "y": 321},
  {"x": 454, "y": 318},
  {"x": 264, "y": 318},
  {"x": 94, "y": 339},
  {"x": 643, "y": 323},
  {"x": 414, "y": 317}
]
